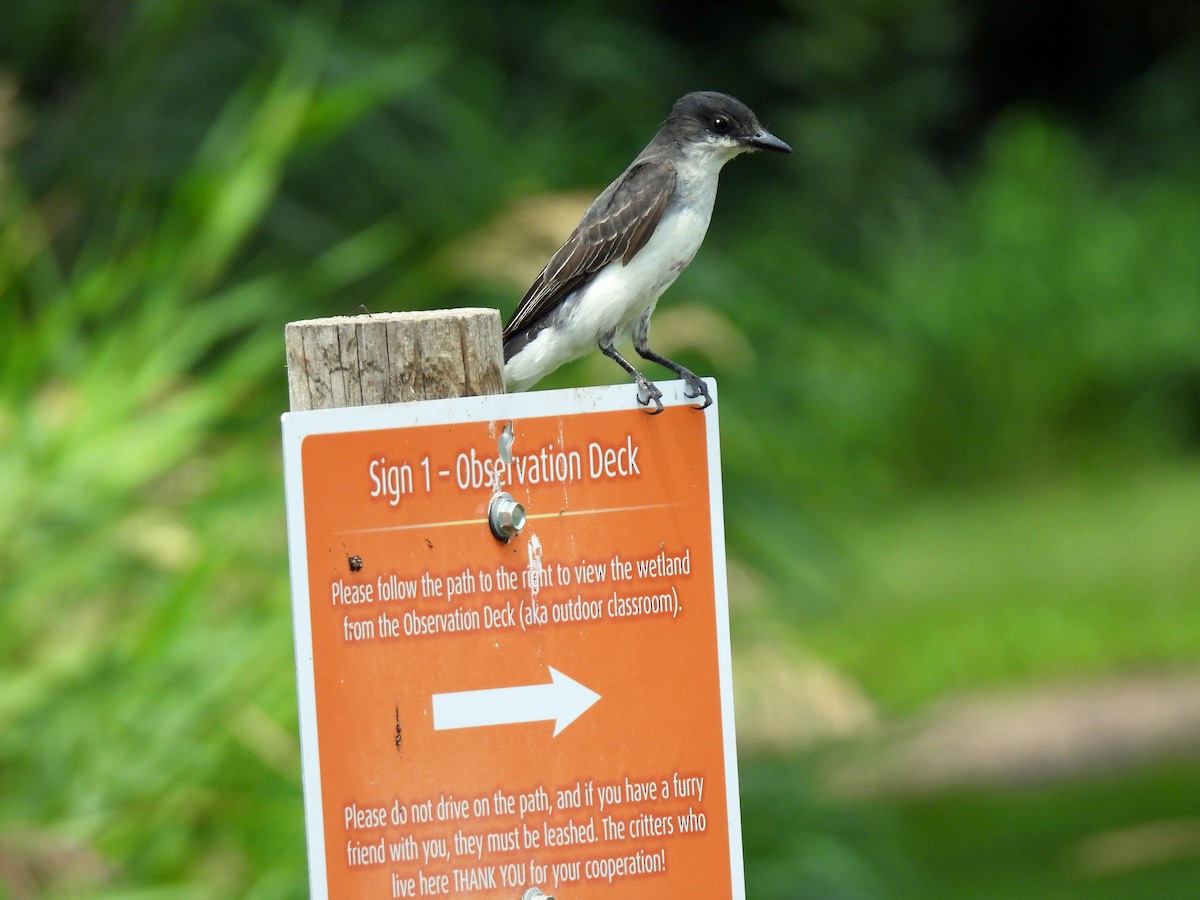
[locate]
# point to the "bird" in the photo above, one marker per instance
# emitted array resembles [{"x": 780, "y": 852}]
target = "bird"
[{"x": 634, "y": 240}]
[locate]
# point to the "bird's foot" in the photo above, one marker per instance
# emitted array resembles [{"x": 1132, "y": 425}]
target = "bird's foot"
[
  {"x": 695, "y": 388},
  {"x": 648, "y": 392}
]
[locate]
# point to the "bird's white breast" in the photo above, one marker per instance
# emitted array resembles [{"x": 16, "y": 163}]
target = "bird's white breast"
[{"x": 623, "y": 291}]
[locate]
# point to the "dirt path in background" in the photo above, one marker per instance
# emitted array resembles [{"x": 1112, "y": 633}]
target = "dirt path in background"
[{"x": 1030, "y": 737}]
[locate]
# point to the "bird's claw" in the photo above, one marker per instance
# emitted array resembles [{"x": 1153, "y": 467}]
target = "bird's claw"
[
  {"x": 696, "y": 389},
  {"x": 648, "y": 392}
]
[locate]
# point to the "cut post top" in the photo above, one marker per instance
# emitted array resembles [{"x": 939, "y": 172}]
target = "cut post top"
[{"x": 394, "y": 357}]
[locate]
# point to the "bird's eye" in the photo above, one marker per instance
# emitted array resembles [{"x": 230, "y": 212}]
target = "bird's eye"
[{"x": 720, "y": 124}]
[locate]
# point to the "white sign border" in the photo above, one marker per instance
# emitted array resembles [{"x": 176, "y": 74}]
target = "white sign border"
[{"x": 491, "y": 408}]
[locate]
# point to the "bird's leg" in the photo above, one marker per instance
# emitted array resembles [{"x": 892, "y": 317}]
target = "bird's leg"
[
  {"x": 646, "y": 391},
  {"x": 695, "y": 386}
]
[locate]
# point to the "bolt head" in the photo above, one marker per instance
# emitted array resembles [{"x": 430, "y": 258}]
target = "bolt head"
[{"x": 505, "y": 516}]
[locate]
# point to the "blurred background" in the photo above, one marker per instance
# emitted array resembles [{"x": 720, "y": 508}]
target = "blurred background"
[{"x": 957, "y": 337}]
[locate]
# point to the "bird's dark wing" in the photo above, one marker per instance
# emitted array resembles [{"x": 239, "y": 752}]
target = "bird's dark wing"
[{"x": 616, "y": 225}]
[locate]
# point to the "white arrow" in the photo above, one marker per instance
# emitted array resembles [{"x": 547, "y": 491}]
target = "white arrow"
[{"x": 563, "y": 700}]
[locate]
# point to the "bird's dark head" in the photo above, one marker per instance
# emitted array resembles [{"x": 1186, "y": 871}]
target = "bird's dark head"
[{"x": 717, "y": 122}]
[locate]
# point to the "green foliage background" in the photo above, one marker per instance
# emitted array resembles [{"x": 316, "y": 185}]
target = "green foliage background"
[{"x": 956, "y": 335}]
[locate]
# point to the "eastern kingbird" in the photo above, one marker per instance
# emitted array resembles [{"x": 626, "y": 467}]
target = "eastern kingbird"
[{"x": 629, "y": 247}]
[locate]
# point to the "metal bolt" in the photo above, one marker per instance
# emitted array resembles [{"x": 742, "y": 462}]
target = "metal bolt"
[{"x": 505, "y": 516}]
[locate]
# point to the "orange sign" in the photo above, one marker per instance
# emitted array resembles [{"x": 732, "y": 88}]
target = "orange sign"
[{"x": 478, "y": 716}]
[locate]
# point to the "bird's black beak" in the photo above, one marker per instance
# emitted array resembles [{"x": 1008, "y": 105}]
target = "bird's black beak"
[{"x": 764, "y": 140}]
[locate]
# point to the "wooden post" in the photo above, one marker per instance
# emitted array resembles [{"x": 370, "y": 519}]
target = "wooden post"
[{"x": 394, "y": 358}]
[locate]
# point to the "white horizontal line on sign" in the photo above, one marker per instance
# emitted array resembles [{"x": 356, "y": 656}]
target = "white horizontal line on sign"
[{"x": 483, "y": 521}]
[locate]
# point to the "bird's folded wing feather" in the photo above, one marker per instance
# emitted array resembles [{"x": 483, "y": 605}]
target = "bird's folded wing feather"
[{"x": 617, "y": 225}]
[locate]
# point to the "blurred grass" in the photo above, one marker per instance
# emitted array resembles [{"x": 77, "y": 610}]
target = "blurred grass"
[
  {"x": 980, "y": 844},
  {"x": 959, "y": 419},
  {"x": 973, "y": 844},
  {"x": 1091, "y": 576}
]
